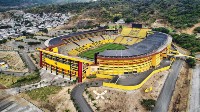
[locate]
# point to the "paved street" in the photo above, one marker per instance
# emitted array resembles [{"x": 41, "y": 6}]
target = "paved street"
[
  {"x": 194, "y": 105},
  {"x": 9, "y": 103},
  {"x": 77, "y": 94},
  {"x": 167, "y": 91},
  {"x": 28, "y": 61}
]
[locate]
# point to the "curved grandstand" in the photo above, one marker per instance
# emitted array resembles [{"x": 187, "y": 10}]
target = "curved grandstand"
[{"x": 105, "y": 52}]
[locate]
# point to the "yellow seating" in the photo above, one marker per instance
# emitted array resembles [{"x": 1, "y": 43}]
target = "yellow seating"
[
  {"x": 118, "y": 39},
  {"x": 133, "y": 41},
  {"x": 124, "y": 40},
  {"x": 143, "y": 33},
  {"x": 134, "y": 32},
  {"x": 126, "y": 31},
  {"x": 138, "y": 40}
]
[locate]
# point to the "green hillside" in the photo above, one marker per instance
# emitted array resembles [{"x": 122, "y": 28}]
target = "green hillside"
[{"x": 179, "y": 13}]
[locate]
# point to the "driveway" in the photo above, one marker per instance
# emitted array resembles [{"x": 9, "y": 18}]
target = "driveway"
[{"x": 164, "y": 98}]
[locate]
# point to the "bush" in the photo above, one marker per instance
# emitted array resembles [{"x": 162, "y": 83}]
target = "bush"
[
  {"x": 191, "y": 62},
  {"x": 116, "y": 18},
  {"x": 161, "y": 29},
  {"x": 21, "y": 47},
  {"x": 3, "y": 41},
  {"x": 43, "y": 93},
  {"x": 91, "y": 76},
  {"x": 149, "y": 104},
  {"x": 189, "y": 42},
  {"x": 32, "y": 78},
  {"x": 129, "y": 20},
  {"x": 197, "y": 30}
]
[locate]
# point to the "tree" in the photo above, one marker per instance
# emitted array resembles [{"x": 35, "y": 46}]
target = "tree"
[
  {"x": 191, "y": 62},
  {"x": 129, "y": 20},
  {"x": 116, "y": 18},
  {"x": 45, "y": 30},
  {"x": 21, "y": 47},
  {"x": 74, "y": 30},
  {"x": 69, "y": 91},
  {"x": 67, "y": 110},
  {"x": 149, "y": 104},
  {"x": 3, "y": 41},
  {"x": 197, "y": 30},
  {"x": 161, "y": 29}
]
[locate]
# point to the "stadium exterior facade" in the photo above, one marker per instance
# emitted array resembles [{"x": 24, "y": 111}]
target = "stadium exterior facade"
[{"x": 145, "y": 50}]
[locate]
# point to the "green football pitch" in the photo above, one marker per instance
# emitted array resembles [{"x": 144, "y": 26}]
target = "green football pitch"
[{"x": 111, "y": 46}]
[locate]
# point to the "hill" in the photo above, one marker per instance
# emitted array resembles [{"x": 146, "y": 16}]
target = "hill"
[
  {"x": 18, "y": 4},
  {"x": 179, "y": 13}
]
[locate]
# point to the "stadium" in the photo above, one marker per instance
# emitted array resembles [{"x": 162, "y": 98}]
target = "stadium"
[{"x": 105, "y": 53}]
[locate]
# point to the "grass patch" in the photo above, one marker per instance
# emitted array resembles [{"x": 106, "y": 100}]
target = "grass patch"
[
  {"x": 8, "y": 80},
  {"x": 90, "y": 53},
  {"x": 43, "y": 93},
  {"x": 16, "y": 81},
  {"x": 29, "y": 79}
]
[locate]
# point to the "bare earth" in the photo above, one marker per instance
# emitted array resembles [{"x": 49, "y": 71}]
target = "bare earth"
[
  {"x": 190, "y": 30},
  {"x": 179, "y": 101},
  {"x": 13, "y": 60},
  {"x": 127, "y": 101},
  {"x": 56, "y": 103}
]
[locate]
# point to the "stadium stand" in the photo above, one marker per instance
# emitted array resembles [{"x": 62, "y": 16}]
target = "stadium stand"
[
  {"x": 143, "y": 33},
  {"x": 126, "y": 31},
  {"x": 84, "y": 42},
  {"x": 134, "y": 32},
  {"x": 132, "y": 41},
  {"x": 96, "y": 39},
  {"x": 118, "y": 39}
]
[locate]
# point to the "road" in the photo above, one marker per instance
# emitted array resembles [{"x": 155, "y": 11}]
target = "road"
[
  {"x": 79, "y": 100},
  {"x": 164, "y": 98},
  {"x": 195, "y": 91},
  {"x": 9, "y": 103},
  {"x": 135, "y": 79},
  {"x": 15, "y": 73},
  {"x": 28, "y": 61}
]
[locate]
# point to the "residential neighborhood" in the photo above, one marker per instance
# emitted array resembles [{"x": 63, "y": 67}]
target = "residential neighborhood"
[{"x": 21, "y": 23}]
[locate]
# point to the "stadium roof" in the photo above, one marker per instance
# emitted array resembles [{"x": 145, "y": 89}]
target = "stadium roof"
[
  {"x": 150, "y": 44},
  {"x": 58, "y": 40}
]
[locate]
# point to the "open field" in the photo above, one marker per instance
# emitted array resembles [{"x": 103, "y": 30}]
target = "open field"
[
  {"x": 90, "y": 53},
  {"x": 51, "y": 99},
  {"x": 126, "y": 101},
  {"x": 7, "y": 80},
  {"x": 43, "y": 93},
  {"x": 16, "y": 81},
  {"x": 14, "y": 61}
]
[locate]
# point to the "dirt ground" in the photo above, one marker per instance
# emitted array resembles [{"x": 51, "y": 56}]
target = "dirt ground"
[
  {"x": 190, "y": 30},
  {"x": 56, "y": 103},
  {"x": 182, "y": 50},
  {"x": 159, "y": 23},
  {"x": 13, "y": 60},
  {"x": 126, "y": 101},
  {"x": 2, "y": 87},
  {"x": 179, "y": 101}
]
